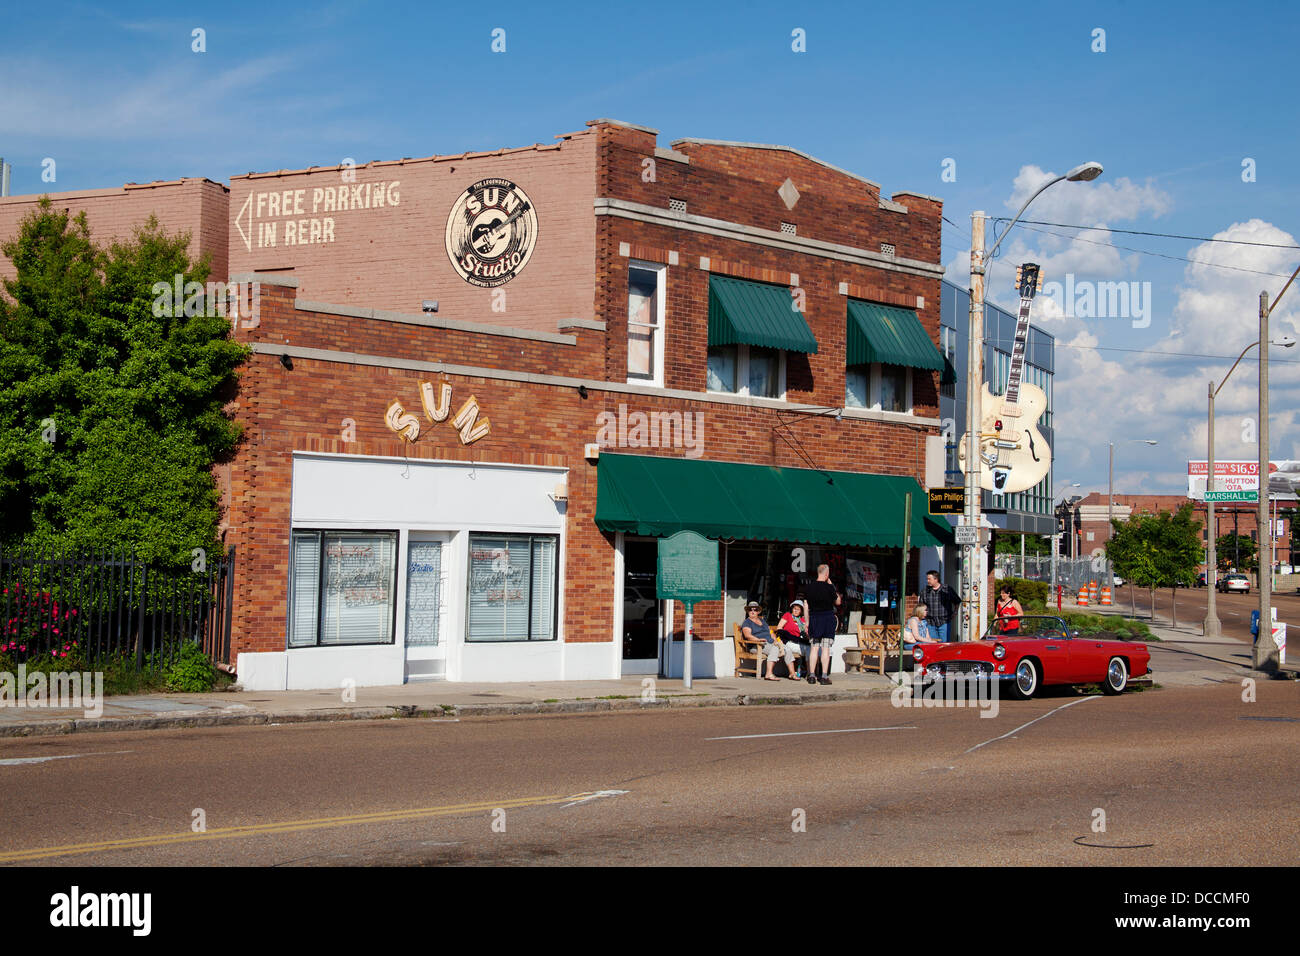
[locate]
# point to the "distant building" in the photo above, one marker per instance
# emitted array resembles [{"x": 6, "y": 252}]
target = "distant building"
[{"x": 1086, "y": 520}]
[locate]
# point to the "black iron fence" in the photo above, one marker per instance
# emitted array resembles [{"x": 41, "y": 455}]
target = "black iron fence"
[{"x": 111, "y": 603}]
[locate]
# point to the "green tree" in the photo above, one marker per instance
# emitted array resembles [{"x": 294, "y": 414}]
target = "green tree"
[
  {"x": 1229, "y": 546},
  {"x": 111, "y": 416},
  {"x": 1010, "y": 544},
  {"x": 1177, "y": 540}
]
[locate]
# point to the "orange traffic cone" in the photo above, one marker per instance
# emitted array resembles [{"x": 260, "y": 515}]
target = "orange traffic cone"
[
  {"x": 1083, "y": 596},
  {"x": 1092, "y": 591},
  {"x": 1105, "y": 597}
]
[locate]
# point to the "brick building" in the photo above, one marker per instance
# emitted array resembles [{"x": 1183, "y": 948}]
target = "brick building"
[
  {"x": 482, "y": 385},
  {"x": 1088, "y": 519}
]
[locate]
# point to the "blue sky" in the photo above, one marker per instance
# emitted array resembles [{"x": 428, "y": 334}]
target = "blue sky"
[{"x": 1181, "y": 96}]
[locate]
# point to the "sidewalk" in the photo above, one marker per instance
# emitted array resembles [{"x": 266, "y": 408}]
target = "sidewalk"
[
  {"x": 1184, "y": 658},
  {"x": 430, "y": 700}
]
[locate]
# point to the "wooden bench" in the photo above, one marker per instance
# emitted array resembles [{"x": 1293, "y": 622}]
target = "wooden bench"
[
  {"x": 749, "y": 654},
  {"x": 878, "y": 641}
]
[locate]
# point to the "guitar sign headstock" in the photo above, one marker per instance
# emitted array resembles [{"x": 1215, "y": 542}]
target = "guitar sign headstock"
[{"x": 1029, "y": 280}]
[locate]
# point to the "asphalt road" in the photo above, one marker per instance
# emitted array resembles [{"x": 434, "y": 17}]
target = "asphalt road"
[
  {"x": 1189, "y": 607},
  {"x": 1182, "y": 775}
]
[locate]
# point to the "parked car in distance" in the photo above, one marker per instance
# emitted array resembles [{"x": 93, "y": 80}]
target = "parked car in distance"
[
  {"x": 1030, "y": 652},
  {"x": 1234, "y": 582},
  {"x": 1200, "y": 579},
  {"x": 1118, "y": 580}
]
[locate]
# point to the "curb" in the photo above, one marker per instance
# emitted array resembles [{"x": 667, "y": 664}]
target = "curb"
[{"x": 51, "y": 728}]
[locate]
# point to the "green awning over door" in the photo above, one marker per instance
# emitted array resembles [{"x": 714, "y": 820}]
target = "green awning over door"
[
  {"x": 754, "y": 313},
  {"x": 889, "y": 335},
  {"x": 657, "y": 497}
]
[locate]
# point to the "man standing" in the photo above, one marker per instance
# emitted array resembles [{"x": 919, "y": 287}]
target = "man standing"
[
  {"x": 822, "y": 601},
  {"x": 940, "y": 601}
]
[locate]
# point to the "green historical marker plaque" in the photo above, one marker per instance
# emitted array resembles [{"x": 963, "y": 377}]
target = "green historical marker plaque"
[{"x": 688, "y": 569}]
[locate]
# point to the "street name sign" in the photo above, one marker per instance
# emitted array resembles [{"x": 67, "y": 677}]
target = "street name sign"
[
  {"x": 946, "y": 501},
  {"x": 1231, "y": 496}
]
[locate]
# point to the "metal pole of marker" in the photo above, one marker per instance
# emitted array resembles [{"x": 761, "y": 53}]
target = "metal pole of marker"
[{"x": 686, "y": 657}]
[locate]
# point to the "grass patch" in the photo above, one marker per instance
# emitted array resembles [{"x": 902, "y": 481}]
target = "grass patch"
[
  {"x": 551, "y": 700},
  {"x": 615, "y": 697}
]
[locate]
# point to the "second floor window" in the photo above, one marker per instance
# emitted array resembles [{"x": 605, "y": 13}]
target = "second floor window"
[
  {"x": 747, "y": 370},
  {"x": 885, "y": 388},
  {"x": 645, "y": 324}
]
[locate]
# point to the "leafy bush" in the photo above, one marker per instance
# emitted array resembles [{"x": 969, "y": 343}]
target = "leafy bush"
[
  {"x": 191, "y": 671},
  {"x": 1030, "y": 594}
]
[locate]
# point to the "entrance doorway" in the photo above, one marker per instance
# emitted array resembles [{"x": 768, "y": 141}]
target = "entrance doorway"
[
  {"x": 641, "y": 607},
  {"x": 426, "y": 645}
]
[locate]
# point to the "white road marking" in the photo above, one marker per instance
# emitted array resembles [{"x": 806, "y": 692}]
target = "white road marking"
[
  {"x": 594, "y": 796},
  {"x": 808, "y": 733},
  {"x": 18, "y": 761},
  {"x": 1034, "y": 721}
]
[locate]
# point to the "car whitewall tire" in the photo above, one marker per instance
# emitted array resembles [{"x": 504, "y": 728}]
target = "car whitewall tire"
[
  {"x": 1027, "y": 680},
  {"x": 1116, "y": 676}
]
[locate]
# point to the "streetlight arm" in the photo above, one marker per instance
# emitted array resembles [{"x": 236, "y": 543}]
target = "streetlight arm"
[
  {"x": 1051, "y": 182},
  {"x": 1234, "y": 366},
  {"x": 1280, "y": 294}
]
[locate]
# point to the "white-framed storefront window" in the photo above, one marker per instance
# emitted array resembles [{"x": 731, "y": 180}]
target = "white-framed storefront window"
[
  {"x": 512, "y": 587},
  {"x": 342, "y": 587}
]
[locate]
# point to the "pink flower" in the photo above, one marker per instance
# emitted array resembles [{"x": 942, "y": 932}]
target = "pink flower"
[
  {"x": 74, "y": 610},
  {"x": 22, "y": 647},
  {"x": 63, "y": 653},
  {"x": 67, "y": 647}
]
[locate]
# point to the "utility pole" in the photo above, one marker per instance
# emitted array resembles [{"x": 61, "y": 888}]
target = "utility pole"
[
  {"x": 1265, "y": 654},
  {"x": 972, "y": 617},
  {"x": 1211, "y": 627}
]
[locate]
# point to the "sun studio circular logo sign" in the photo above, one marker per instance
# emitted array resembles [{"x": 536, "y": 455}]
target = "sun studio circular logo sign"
[{"x": 491, "y": 232}]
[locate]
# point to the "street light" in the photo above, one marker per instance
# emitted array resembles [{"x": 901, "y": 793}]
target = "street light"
[
  {"x": 972, "y": 552},
  {"x": 1110, "y": 490},
  {"x": 1211, "y": 626}
]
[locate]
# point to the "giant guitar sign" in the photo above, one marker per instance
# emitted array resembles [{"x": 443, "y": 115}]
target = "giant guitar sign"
[{"x": 1014, "y": 454}]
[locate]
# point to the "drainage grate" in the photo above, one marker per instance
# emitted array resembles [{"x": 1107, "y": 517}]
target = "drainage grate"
[
  {"x": 677, "y": 205},
  {"x": 789, "y": 228}
]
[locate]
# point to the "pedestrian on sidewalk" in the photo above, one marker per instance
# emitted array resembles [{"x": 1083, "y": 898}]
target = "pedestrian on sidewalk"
[
  {"x": 794, "y": 632},
  {"x": 940, "y": 601},
  {"x": 1008, "y": 609},
  {"x": 756, "y": 630},
  {"x": 823, "y": 599}
]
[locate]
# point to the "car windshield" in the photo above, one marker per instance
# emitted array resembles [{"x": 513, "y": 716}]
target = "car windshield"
[{"x": 1028, "y": 626}]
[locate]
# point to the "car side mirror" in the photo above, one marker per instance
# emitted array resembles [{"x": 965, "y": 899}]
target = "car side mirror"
[{"x": 1074, "y": 633}]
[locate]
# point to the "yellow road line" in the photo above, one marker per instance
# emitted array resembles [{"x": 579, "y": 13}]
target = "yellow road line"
[{"x": 286, "y": 826}]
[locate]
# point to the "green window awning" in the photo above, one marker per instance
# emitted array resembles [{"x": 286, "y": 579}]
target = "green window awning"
[
  {"x": 657, "y": 497},
  {"x": 889, "y": 335},
  {"x": 753, "y": 313}
]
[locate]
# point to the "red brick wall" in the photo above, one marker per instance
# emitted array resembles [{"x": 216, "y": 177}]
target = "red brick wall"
[
  {"x": 535, "y": 424},
  {"x": 196, "y": 206},
  {"x": 394, "y": 256}
]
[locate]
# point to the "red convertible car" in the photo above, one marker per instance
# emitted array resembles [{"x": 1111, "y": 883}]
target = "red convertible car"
[{"x": 1030, "y": 652}]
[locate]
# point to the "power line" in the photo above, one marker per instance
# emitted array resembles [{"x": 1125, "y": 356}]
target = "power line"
[
  {"x": 1159, "y": 235},
  {"x": 1116, "y": 348},
  {"x": 1161, "y": 255},
  {"x": 1142, "y": 252}
]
